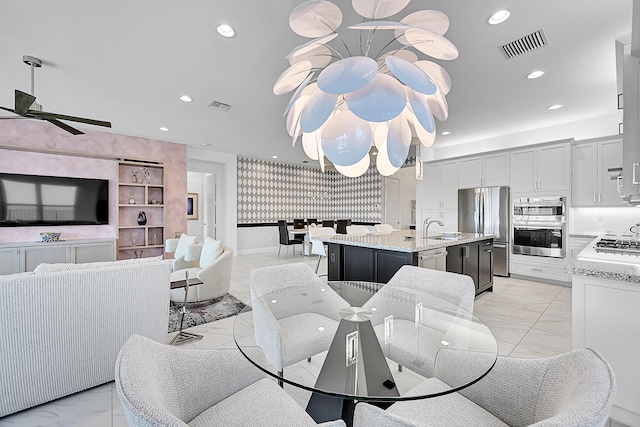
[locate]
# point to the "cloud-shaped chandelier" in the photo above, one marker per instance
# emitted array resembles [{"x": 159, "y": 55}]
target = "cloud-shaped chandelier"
[{"x": 344, "y": 104}]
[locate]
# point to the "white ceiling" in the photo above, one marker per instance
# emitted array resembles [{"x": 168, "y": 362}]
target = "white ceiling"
[{"x": 128, "y": 62}]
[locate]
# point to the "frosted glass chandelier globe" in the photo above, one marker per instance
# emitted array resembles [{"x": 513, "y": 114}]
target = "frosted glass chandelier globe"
[{"x": 346, "y": 139}]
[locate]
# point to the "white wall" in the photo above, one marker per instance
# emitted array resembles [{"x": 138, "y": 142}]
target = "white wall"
[
  {"x": 258, "y": 239},
  {"x": 225, "y": 165}
]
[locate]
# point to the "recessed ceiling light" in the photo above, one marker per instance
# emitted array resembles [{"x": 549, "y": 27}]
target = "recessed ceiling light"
[
  {"x": 499, "y": 17},
  {"x": 225, "y": 30},
  {"x": 186, "y": 98},
  {"x": 274, "y": 157},
  {"x": 164, "y": 129},
  {"x": 555, "y": 107},
  {"x": 446, "y": 132},
  {"x": 206, "y": 144},
  {"x": 535, "y": 74}
]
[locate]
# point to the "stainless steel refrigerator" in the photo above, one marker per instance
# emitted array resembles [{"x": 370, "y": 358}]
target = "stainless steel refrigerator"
[{"x": 486, "y": 210}]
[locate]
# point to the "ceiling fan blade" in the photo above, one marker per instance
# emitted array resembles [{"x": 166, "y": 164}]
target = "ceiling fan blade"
[
  {"x": 23, "y": 102},
  {"x": 46, "y": 116},
  {"x": 64, "y": 126}
]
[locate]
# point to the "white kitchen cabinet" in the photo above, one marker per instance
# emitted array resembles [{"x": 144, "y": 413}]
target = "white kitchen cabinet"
[
  {"x": 32, "y": 256},
  {"x": 9, "y": 260},
  {"x": 448, "y": 217},
  {"x": 441, "y": 180},
  {"x": 605, "y": 318},
  {"x": 591, "y": 184},
  {"x": 553, "y": 270},
  {"x": 92, "y": 252},
  {"x": 21, "y": 257},
  {"x": 484, "y": 171},
  {"x": 540, "y": 168}
]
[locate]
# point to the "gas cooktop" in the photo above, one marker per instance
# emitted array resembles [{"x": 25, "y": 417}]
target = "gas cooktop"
[
  {"x": 618, "y": 245},
  {"x": 617, "y": 249}
]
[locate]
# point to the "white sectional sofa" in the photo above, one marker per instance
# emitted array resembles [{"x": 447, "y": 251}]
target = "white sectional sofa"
[{"x": 62, "y": 326}]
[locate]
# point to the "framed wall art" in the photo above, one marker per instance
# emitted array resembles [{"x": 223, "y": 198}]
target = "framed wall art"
[{"x": 192, "y": 206}]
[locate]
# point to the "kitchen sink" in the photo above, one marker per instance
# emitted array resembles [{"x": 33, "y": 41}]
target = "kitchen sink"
[{"x": 446, "y": 236}]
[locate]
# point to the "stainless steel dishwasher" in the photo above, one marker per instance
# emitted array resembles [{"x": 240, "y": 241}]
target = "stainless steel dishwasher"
[{"x": 435, "y": 259}]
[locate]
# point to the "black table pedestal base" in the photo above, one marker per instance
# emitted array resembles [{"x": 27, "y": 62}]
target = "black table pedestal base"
[{"x": 371, "y": 373}]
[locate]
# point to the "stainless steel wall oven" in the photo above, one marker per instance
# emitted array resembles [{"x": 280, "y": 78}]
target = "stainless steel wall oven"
[{"x": 539, "y": 226}]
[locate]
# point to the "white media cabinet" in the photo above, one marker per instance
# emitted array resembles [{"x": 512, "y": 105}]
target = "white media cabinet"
[{"x": 21, "y": 257}]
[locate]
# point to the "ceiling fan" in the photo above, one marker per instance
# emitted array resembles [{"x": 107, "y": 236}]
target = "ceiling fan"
[{"x": 26, "y": 107}]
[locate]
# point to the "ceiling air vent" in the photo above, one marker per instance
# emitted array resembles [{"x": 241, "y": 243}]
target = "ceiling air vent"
[
  {"x": 525, "y": 44},
  {"x": 220, "y": 105}
]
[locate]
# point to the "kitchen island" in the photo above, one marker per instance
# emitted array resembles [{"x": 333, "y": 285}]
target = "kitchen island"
[
  {"x": 377, "y": 257},
  {"x": 605, "y": 301}
]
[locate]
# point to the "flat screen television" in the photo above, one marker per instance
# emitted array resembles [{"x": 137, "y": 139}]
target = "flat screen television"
[{"x": 33, "y": 200}]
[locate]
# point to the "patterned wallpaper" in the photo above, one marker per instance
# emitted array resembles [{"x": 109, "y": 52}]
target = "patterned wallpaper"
[{"x": 269, "y": 191}]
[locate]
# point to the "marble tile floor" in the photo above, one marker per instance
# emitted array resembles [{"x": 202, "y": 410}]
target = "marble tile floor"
[{"x": 528, "y": 319}]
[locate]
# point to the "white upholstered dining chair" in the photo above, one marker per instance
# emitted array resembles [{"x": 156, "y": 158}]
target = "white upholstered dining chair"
[
  {"x": 576, "y": 388},
  {"x": 383, "y": 228},
  {"x": 163, "y": 385},
  {"x": 291, "y": 335},
  {"x": 456, "y": 289},
  {"x": 357, "y": 230},
  {"x": 317, "y": 247}
]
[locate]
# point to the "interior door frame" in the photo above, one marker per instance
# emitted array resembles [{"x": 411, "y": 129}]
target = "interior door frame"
[
  {"x": 385, "y": 204},
  {"x": 216, "y": 212}
]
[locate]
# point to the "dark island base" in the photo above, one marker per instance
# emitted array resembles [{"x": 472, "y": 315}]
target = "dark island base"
[{"x": 346, "y": 262}]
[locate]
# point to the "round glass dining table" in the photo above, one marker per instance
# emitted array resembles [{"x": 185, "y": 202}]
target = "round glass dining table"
[{"x": 370, "y": 342}]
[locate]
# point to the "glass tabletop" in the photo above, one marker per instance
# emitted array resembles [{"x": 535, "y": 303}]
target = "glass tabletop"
[{"x": 366, "y": 341}]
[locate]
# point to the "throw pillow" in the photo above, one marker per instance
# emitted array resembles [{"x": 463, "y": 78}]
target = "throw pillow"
[
  {"x": 211, "y": 250},
  {"x": 184, "y": 241}
]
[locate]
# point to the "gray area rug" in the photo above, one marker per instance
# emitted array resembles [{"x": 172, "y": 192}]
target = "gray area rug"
[{"x": 202, "y": 312}]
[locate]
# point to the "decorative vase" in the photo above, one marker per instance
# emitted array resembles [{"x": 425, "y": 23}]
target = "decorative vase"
[{"x": 142, "y": 218}]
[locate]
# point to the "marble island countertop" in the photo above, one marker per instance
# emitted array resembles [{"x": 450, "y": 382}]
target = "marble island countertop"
[
  {"x": 624, "y": 268},
  {"x": 606, "y": 270},
  {"x": 405, "y": 240}
]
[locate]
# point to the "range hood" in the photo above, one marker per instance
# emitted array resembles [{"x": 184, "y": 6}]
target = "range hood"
[{"x": 631, "y": 113}]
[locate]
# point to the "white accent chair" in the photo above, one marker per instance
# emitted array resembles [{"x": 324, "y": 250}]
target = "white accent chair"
[
  {"x": 317, "y": 247},
  {"x": 577, "y": 388},
  {"x": 178, "y": 248},
  {"x": 214, "y": 263},
  {"x": 288, "y": 337},
  {"x": 383, "y": 228},
  {"x": 455, "y": 288},
  {"x": 163, "y": 385},
  {"x": 357, "y": 230}
]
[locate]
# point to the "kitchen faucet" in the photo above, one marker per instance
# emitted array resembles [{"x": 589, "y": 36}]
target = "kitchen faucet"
[{"x": 425, "y": 226}]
